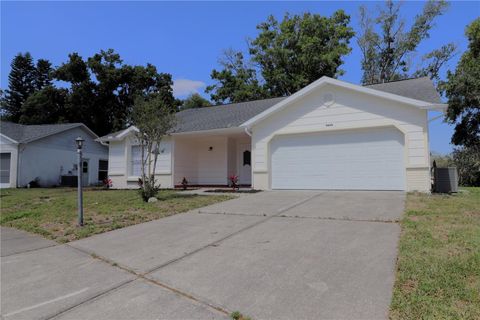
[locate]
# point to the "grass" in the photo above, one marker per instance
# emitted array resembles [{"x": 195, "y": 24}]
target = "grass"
[
  {"x": 438, "y": 268},
  {"x": 52, "y": 213}
]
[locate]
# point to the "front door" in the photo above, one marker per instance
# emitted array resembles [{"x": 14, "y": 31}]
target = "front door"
[
  {"x": 85, "y": 170},
  {"x": 244, "y": 164}
]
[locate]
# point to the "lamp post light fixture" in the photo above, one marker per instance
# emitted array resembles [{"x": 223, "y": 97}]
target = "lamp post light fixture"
[{"x": 79, "y": 141}]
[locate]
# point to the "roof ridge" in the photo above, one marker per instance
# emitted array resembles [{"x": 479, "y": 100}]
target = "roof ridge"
[
  {"x": 399, "y": 80},
  {"x": 230, "y": 103}
]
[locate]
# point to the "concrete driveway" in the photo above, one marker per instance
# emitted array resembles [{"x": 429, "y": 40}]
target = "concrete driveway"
[{"x": 271, "y": 255}]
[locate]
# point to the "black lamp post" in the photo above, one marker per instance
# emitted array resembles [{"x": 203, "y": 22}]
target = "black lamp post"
[{"x": 79, "y": 141}]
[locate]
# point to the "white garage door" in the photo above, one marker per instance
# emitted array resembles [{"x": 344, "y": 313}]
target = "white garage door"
[{"x": 348, "y": 160}]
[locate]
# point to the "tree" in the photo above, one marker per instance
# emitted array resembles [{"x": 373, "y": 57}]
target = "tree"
[
  {"x": 237, "y": 82},
  {"x": 467, "y": 161},
  {"x": 195, "y": 101},
  {"x": 300, "y": 49},
  {"x": 387, "y": 49},
  {"x": 45, "y": 106},
  {"x": 21, "y": 84},
  {"x": 435, "y": 60},
  {"x": 101, "y": 91},
  {"x": 106, "y": 103},
  {"x": 284, "y": 57},
  {"x": 463, "y": 92},
  {"x": 43, "y": 74},
  {"x": 154, "y": 119}
]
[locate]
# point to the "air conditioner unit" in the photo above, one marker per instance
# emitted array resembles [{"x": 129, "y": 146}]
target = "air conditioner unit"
[{"x": 445, "y": 180}]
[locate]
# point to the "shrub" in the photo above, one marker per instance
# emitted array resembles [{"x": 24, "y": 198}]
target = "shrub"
[
  {"x": 233, "y": 181},
  {"x": 148, "y": 189}
]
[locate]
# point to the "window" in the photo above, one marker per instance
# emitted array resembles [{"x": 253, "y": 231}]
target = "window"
[
  {"x": 136, "y": 161},
  {"x": 102, "y": 170},
  {"x": 85, "y": 166},
  {"x": 5, "y": 167}
]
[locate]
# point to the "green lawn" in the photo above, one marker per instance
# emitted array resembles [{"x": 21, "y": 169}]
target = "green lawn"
[
  {"x": 52, "y": 213},
  {"x": 438, "y": 274}
]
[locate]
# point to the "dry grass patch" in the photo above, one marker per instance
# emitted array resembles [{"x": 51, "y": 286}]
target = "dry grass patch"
[{"x": 53, "y": 212}]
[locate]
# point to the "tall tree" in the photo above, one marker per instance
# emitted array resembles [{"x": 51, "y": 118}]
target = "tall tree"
[
  {"x": 21, "y": 84},
  {"x": 387, "y": 49},
  {"x": 236, "y": 82},
  {"x": 300, "y": 49},
  {"x": 43, "y": 74},
  {"x": 195, "y": 101},
  {"x": 463, "y": 92},
  {"x": 103, "y": 89},
  {"x": 284, "y": 57}
]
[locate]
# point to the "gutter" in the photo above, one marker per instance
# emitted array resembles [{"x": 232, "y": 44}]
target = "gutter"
[
  {"x": 435, "y": 118},
  {"x": 248, "y": 132}
]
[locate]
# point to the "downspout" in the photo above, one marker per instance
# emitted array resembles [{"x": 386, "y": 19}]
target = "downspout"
[{"x": 249, "y": 133}]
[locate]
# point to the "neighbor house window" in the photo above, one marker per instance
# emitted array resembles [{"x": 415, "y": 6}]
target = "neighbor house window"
[
  {"x": 136, "y": 161},
  {"x": 5, "y": 168},
  {"x": 102, "y": 170}
]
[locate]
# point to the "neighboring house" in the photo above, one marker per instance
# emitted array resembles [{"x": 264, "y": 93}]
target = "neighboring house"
[
  {"x": 46, "y": 152},
  {"x": 329, "y": 135}
]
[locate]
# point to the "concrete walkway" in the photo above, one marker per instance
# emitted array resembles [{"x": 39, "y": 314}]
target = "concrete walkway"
[{"x": 270, "y": 255}]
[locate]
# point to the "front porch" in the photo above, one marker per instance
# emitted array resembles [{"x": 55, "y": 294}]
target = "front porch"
[{"x": 208, "y": 159}]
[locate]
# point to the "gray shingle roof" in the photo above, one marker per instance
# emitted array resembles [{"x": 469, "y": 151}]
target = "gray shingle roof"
[
  {"x": 224, "y": 116},
  {"x": 27, "y": 133},
  {"x": 234, "y": 114},
  {"x": 417, "y": 88}
]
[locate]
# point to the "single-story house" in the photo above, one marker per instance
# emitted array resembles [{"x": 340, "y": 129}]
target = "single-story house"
[
  {"x": 329, "y": 135},
  {"x": 45, "y": 153}
]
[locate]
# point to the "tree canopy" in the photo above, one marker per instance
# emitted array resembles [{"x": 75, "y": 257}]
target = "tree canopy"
[
  {"x": 22, "y": 82},
  {"x": 388, "y": 49},
  {"x": 195, "y": 101},
  {"x": 463, "y": 92},
  {"x": 100, "y": 91},
  {"x": 284, "y": 57}
]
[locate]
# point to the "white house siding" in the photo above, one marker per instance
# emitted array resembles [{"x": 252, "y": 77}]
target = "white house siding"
[
  {"x": 194, "y": 160},
  {"x": 7, "y": 146},
  {"x": 349, "y": 110},
  {"x": 120, "y": 164},
  {"x": 212, "y": 165},
  {"x": 232, "y": 156},
  {"x": 185, "y": 158},
  {"x": 49, "y": 158}
]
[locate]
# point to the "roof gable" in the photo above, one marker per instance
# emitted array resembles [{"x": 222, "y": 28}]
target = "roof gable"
[
  {"x": 21, "y": 133},
  {"x": 418, "y": 92},
  {"x": 326, "y": 80}
]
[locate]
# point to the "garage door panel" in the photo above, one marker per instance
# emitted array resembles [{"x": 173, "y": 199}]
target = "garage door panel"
[{"x": 362, "y": 160}]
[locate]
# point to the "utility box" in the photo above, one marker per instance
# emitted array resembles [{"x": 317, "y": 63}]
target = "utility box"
[{"x": 445, "y": 180}]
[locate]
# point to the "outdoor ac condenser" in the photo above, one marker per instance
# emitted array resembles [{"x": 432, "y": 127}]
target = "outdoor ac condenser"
[{"x": 445, "y": 180}]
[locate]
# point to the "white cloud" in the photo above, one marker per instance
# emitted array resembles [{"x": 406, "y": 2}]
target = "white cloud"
[{"x": 183, "y": 87}]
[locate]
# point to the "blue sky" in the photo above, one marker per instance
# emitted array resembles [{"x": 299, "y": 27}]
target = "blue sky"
[{"x": 187, "y": 38}]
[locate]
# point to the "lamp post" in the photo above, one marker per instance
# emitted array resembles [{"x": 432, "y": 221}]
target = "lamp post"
[{"x": 79, "y": 141}]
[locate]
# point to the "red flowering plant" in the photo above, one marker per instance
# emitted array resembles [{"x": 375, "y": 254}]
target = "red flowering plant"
[
  {"x": 107, "y": 183},
  {"x": 233, "y": 181},
  {"x": 184, "y": 183}
]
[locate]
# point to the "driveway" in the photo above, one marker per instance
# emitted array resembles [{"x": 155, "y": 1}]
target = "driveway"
[{"x": 271, "y": 255}]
